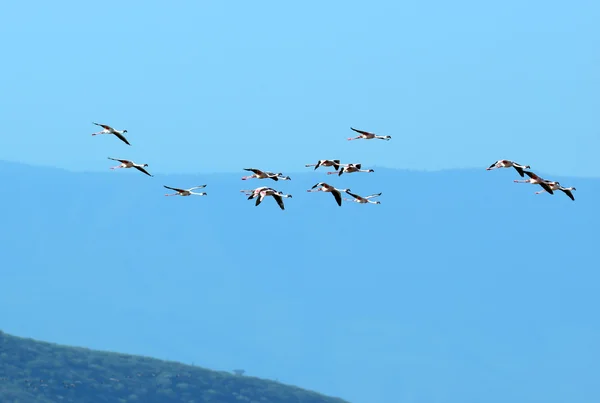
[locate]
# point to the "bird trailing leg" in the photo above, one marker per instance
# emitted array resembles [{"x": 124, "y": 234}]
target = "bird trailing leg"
[
  {"x": 172, "y": 194},
  {"x": 248, "y": 177},
  {"x": 541, "y": 191},
  {"x": 118, "y": 166},
  {"x": 354, "y": 138},
  {"x": 521, "y": 181}
]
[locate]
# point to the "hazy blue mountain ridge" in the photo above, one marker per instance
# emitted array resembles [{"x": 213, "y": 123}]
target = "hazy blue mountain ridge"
[{"x": 342, "y": 300}]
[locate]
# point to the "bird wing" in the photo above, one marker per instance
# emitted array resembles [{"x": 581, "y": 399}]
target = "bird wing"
[
  {"x": 337, "y": 196},
  {"x": 568, "y": 193},
  {"x": 197, "y": 187},
  {"x": 107, "y": 127},
  {"x": 175, "y": 189},
  {"x": 279, "y": 201},
  {"x": 362, "y": 131},
  {"x": 258, "y": 200},
  {"x": 320, "y": 183},
  {"x": 519, "y": 170},
  {"x": 531, "y": 175},
  {"x": 546, "y": 187},
  {"x": 116, "y": 159},
  {"x": 256, "y": 171},
  {"x": 373, "y": 195},
  {"x": 354, "y": 195},
  {"x": 142, "y": 170},
  {"x": 336, "y": 164},
  {"x": 123, "y": 139}
]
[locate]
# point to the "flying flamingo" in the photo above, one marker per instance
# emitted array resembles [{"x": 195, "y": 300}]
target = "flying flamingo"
[
  {"x": 350, "y": 168},
  {"x": 558, "y": 186},
  {"x": 367, "y": 135},
  {"x": 130, "y": 164},
  {"x": 363, "y": 200},
  {"x": 536, "y": 180},
  {"x": 509, "y": 164},
  {"x": 326, "y": 163},
  {"x": 258, "y": 174},
  {"x": 324, "y": 187},
  {"x": 186, "y": 192},
  {"x": 110, "y": 130},
  {"x": 277, "y": 195}
]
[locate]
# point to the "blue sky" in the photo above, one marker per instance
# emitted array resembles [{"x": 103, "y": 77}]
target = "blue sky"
[{"x": 217, "y": 86}]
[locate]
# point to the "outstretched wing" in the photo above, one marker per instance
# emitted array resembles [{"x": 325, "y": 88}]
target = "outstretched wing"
[
  {"x": 175, "y": 189},
  {"x": 373, "y": 195},
  {"x": 107, "y": 127},
  {"x": 337, "y": 196},
  {"x": 519, "y": 170},
  {"x": 279, "y": 201},
  {"x": 354, "y": 195},
  {"x": 318, "y": 184},
  {"x": 531, "y": 175},
  {"x": 141, "y": 169},
  {"x": 122, "y": 138},
  {"x": 568, "y": 193},
  {"x": 116, "y": 159},
  {"x": 362, "y": 131},
  {"x": 546, "y": 187},
  {"x": 256, "y": 171}
]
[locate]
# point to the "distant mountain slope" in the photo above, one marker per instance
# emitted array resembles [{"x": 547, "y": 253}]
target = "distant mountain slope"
[
  {"x": 33, "y": 371},
  {"x": 451, "y": 281}
]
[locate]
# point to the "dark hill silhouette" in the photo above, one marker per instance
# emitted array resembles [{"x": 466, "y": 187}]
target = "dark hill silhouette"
[{"x": 34, "y": 371}]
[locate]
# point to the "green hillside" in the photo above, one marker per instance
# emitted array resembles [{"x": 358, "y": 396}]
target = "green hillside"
[{"x": 33, "y": 371}]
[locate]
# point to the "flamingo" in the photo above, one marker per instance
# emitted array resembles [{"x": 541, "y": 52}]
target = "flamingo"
[
  {"x": 536, "y": 180},
  {"x": 110, "y": 130},
  {"x": 367, "y": 135},
  {"x": 350, "y": 168},
  {"x": 324, "y": 187},
  {"x": 279, "y": 176},
  {"x": 558, "y": 186},
  {"x": 258, "y": 174},
  {"x": 186, "y": 192},
  {"x": 130, "y": 164},
  {"x": 253, "y": 192},
  {"x": 277, "y": 195},
  {"x": 509, "y": 164},
  {"x": 326, "y": 163},
  {"x": 363, "y": 200}
]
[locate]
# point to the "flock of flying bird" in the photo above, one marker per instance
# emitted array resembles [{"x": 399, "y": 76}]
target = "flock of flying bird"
[
  {"x": 547, "y": 186},
  {"x": 260, "y": 193},
  {"x": 264, "y": 191}
]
